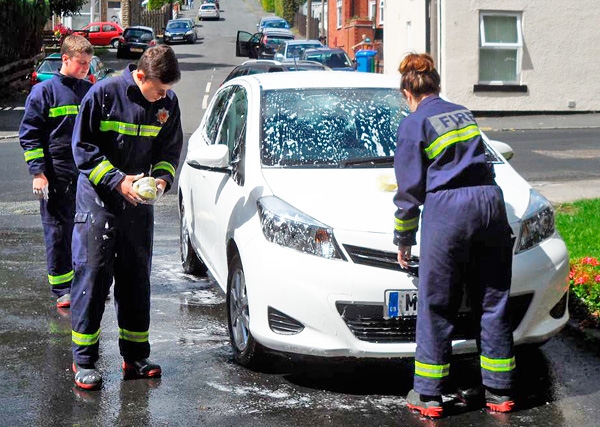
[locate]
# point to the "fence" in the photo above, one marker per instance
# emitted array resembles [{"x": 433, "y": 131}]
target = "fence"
[
  {"x": 156, "y": 19},
  {"x": 300, "y": 24}
]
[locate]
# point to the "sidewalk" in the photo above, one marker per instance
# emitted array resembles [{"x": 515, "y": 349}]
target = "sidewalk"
[{"x": 545, "y": 121}]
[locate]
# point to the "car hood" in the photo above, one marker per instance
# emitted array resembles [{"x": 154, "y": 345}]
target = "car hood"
[{"x": 361, "y": 199}]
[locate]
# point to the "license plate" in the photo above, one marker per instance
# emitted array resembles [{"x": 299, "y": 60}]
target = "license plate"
[
  {"x": 404, "y": 304},
  {"x": 178, "y": 38},
  {"x": 137, "y": 49},
  {"x": 400, "y": 304}
]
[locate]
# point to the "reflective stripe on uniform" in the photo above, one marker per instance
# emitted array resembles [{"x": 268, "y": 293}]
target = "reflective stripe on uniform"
[
  {"x": 129, "y": 128},
  {"x": 497, "y": 365},
  {"x": 149, "y": 130},
  {"x": 63, "y": 278},
  {"x": 406, "y": 225},
  {"x": 126, "y": 335},
  {"x": 99, "y": 171},
  {"x": 449, "y": 138},
  {"x": 431, "y": 371},
  {"x": 164, "y": 166},
  {"x": 85, "y": 339},
  {"x": 36, "y": 153},
  {"x": 63, "y": 110}
]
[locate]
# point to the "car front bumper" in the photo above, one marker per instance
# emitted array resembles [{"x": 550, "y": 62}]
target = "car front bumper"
[{"x": 336, "y": 307}]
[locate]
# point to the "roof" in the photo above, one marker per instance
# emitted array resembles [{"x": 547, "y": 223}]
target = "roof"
[{"x": 320, "y": 79}]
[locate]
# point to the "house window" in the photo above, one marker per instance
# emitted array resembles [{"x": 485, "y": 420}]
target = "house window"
[
  {"x": 501, "y": 48},
  {"x": 339, "y": 13},
  {"x": 381, "y": 7},
  {"x": 372, "y": 10}
]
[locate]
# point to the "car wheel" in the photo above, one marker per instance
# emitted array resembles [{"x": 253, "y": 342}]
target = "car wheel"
[
  {"x": 246, "y": 350},
  {"x": 115, "y": 43},
  {"x": 190, "y": 262}
]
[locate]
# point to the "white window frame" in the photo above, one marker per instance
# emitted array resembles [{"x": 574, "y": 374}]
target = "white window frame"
[
  {"x": 518, "y": 46},
  {"x": 372, "y": 10},
  {"x": 339, "y": 13},
  {"x": 380, "y": 14}
]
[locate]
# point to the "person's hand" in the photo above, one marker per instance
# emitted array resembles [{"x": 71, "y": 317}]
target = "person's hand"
[
  {"x": 404, "y": 256},
  {"x": 161, "y": 184},
  {"x": 125, "y": 188},
  {"x": 40, "y": 186}
]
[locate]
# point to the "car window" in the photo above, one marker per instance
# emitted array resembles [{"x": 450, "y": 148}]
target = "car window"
[
  {"x": 108, "y": 27},
  {"x": 94, "y": 28},
  {"x": 322, "y": 127},
  {"x": 216, "y": 114},
  {"x": 50, "y": 66},
  {"x": 296, "y": 50},
  {"x": 139, "y": 33},
  {"x": 234, "y": 120}
]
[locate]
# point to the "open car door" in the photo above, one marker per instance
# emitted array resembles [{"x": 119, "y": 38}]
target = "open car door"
[{"x": 243, "y": 45}]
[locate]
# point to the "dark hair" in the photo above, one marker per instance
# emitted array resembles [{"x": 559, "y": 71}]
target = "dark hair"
[
  {"x": 159, "y": 62},
  {"x": 419, "y": 75}
]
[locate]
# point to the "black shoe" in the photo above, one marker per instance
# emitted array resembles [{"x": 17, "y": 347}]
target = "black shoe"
[
  {"x": 495, "y": 399},
  {"x": 87, "y": 378},
  {"x": 141, "y": 369},
  {"x": 430, "y": 406}
]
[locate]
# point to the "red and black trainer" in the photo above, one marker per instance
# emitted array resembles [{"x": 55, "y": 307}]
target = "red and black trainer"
[
  {"x": 429, "y": 406},
  {"x": 88, "y": 377},
  {"x": 140, "y": 369},
  {"x": 499, "y": 400}
]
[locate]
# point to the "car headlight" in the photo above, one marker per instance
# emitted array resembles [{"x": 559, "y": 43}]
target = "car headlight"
[
  {"x": 189, "y": 33},
  {"x": 287, "y": 226},
  {"x": 537, "y": 224},
  {"x": 168, "y": 34}
]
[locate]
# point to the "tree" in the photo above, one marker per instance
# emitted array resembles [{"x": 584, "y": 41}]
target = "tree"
[{"x": 66, "y": 7}]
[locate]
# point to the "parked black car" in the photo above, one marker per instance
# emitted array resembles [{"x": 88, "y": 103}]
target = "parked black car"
[
  {"x": 180, "y": 31},
  {"x": 135, "y": 41},
  {"x": 261, "y": 45},
  {"x": 257, "y": 66}
]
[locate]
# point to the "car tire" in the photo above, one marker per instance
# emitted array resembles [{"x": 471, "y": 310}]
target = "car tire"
[
  {"x": 246, "y": 350},
  {"x": 114, "y": 43},
  {"x": 190, "y": 262}
]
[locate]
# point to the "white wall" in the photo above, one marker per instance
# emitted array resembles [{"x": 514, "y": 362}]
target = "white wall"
[{"x": 560, "y": 58}]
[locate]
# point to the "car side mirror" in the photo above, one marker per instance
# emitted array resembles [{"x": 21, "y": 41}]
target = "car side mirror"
[
  {"x": 214, "y": 157},
  {"x": 503, "y": 148}
]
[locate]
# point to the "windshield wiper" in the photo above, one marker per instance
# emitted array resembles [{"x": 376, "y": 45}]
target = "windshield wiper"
[{"x": 368, "y": 161}]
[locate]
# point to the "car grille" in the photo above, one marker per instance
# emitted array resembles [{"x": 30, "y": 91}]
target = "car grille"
[
  {"x": 367, "y": 323},
  {"x": 379, "y": 259},
  {"x": 281, "y": 323}
]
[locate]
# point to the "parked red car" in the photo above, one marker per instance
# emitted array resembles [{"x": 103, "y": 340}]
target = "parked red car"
[{"x": 102, "y": 33}]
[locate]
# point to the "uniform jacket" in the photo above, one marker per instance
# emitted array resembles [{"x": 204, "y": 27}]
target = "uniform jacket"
[
  {"x": 118, "y": 132},
  {"x": 439, "y": 147},
  {"x": 47, "y": 126}
]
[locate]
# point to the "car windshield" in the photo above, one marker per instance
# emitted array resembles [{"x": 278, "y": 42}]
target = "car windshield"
[
  {"x": 275, "y": 41},
  {"x": 332, "y": 60},
  {"x": 174, "y": 26},
  {"x": 275, "y": 24},
  {"x": 137, "y": 33},
  {"x": 296, "y": 50},
  {"x": 325, "y": 127},
  {"x": 50, "y": 66}
]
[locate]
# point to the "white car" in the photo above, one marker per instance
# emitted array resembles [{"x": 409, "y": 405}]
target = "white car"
[
  {"x": 208, "y": 11},
  {"x": 286, "y": 198},
  {"x": 292, "y": 50}
]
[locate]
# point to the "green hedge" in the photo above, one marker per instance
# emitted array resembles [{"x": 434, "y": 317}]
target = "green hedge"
[
  {"x": 287, "y": 9},
  {"x": 22, "y": 29},
  {"x": 268, "y": 5}
]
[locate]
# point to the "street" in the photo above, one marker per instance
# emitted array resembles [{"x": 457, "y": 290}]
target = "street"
[{"x": 559, "y": 383}]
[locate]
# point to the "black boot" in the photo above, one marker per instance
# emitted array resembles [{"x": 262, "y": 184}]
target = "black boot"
[
  {"x": 87, "y": 377},
  {"x": 140, "y": 369}
]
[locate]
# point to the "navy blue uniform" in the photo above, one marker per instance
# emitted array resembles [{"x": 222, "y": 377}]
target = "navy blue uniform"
[
  {"x": 117, "y": 133},
  {"x": 465, "y": 240},
  {"x": 45, "y": 135}
]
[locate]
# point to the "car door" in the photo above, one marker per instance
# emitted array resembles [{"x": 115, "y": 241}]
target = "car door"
[
  {"x": 108, "y": 33},
  {"x": 94, "y": 35},
  {"x": 247, "y": 44}
]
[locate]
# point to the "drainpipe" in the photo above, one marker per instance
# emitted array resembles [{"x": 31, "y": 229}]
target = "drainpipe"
[{"x": 308, "y": 16}]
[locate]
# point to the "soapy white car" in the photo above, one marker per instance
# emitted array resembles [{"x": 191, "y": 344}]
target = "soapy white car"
[{"x": 286, "y": 199}]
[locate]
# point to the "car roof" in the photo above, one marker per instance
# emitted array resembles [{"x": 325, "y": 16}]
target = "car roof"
[
  {"x": 277, "y": 32},
  {"x": 319, "y": 79},
  {"x": 140, "y": 27},
  {"x": 293, "y": 42},
  {"x": 324, "y": 49},
  {"x": 271, "y": 18}
]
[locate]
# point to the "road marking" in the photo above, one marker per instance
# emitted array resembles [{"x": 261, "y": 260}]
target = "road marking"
[
  {"x": 205, "y": 102},
  {"x": 570, "y": 154},
  {"x": 208, "y": 87}
]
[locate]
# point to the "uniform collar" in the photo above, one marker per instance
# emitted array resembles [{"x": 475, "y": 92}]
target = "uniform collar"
[
  {"x": 427, "y": 100},
  {"x": 133, "y": 91},
  {"x": 67, "y": 80}
]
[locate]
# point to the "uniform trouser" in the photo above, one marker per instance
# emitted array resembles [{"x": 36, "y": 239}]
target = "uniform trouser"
[
  {"x": 465, "y": 241},
  {"x": 110, "y": 245},
  {"x": 57, "y": 220}
]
